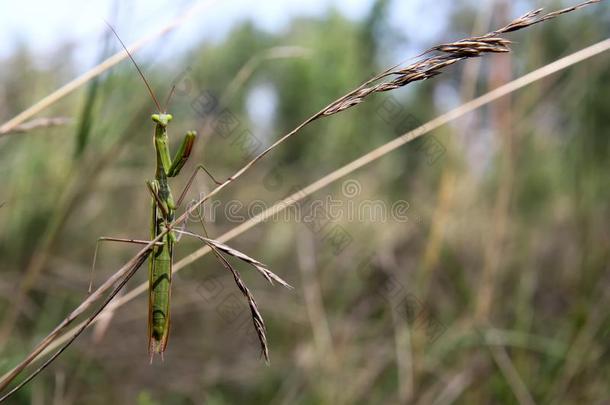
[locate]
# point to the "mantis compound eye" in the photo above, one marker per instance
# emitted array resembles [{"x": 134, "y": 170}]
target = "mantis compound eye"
[{"x": 161, "y": 119}]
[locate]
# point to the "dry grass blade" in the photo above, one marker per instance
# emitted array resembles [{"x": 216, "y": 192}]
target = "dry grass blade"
[
  {"x": 262, "y": 268},
  {"x": 68, "y": 88},
  {"x": 450, "y": 53},
  {"x": 533, "y": 17},
  {"x": 38, "y": 123},
  {"x": 257, "y": 318},
  {"x": 120, "y": 278}
]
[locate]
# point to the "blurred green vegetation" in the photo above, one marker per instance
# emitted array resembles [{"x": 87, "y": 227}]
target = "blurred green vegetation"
[{"x": 504, "y": 258}]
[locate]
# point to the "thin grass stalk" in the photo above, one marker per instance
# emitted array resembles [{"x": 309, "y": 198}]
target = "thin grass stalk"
[
  {"x": 120, "y": 277},
  {"x": 81, "y": 80},
  {"x": 38, "y": 123},
  {"x": 74, "y": 188},
  {"x": 131, "y": 270},
  {"x": 257, "y": 318}
]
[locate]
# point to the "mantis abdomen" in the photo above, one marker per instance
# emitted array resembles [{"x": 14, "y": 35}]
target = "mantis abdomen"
[
  {"x": 160, "y": 277},
  {"x": 159, "y": 290}
]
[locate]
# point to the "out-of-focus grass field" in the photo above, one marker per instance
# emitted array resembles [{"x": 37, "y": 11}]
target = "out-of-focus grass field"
[{"x": 493, "y": 287}]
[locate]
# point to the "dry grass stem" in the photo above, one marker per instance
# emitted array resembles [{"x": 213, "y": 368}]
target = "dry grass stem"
[
  {"x": 118, "y": 280},
  {"x": 257, "y": 318},
  {"x": 38, "y": 123},
  {"x": 262, "y": 268},
  {"x": 514, "y": 380},
  {"x": 81, "y": 80},
  {"x": 450, "y": 53}
]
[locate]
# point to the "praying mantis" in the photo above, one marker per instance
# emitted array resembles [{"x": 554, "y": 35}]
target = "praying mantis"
[{"x": 163, "y": 208}]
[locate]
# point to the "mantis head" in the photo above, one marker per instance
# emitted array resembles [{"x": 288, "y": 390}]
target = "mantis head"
[{"x": 162, "y": 119}]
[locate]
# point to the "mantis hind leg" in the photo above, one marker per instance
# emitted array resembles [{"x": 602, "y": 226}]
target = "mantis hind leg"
[{"x": 110, "y": 239}]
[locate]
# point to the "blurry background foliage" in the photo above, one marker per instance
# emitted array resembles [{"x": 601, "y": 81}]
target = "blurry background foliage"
[{"x": 506, "y": 247}]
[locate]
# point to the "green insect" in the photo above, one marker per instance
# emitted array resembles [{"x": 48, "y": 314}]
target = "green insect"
[{"x": 163, "y": 208}]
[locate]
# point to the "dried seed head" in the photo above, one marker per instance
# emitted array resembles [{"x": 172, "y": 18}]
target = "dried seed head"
[{"x": 450, "y": 53}]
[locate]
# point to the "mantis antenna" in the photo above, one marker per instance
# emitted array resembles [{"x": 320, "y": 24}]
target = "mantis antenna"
[
  {"x": 169, "y": 97},
  {"x": 152, "y": 93}
]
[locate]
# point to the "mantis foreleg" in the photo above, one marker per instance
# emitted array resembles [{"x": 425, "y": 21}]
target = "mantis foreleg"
[{"x": 189, "y": 183}]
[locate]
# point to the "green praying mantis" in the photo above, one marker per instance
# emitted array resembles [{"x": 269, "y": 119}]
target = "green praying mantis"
[{"x": 163, "y": 208}]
